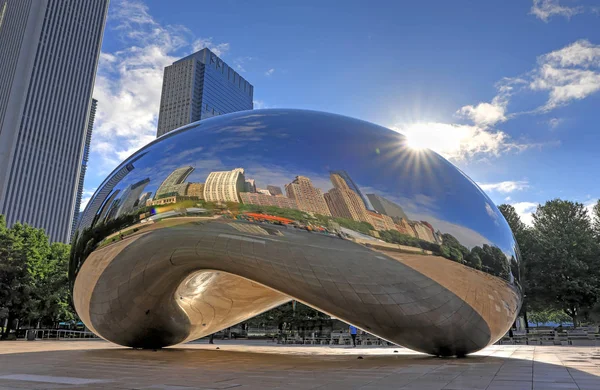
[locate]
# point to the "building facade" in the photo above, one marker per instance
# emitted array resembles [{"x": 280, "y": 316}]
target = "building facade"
[
  {"x": 308, "y": 197},
  {"x": 200, "y": 86},
  {"x": 268, "y": 200},
  {"x": 84, "y": 161},
  {"x": 343, "y": 175},
  {"x": 175, "y": 183},
  {"x": 48, "y": 57},
  {"x": 225, "y": 186},
  {"x": 380, "y": 222},
  {"x": 195, "y": 190}
]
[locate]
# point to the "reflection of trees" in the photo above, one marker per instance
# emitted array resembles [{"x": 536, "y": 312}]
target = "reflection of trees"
[
  {"x": 87, "y": 241},
  {"x": 487, "y": 258}
]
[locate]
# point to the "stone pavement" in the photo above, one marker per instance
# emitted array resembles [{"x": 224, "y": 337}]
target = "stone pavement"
[{"x": 261, "y": 365}]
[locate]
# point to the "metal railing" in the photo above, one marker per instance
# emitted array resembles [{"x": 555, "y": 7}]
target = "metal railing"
[{"x": 59, "y": 334}]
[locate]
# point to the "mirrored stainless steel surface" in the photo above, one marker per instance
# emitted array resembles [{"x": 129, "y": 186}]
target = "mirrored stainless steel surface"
[{"x": 225, "y": 218}]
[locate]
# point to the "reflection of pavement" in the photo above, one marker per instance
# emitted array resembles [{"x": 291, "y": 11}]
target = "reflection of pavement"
[
  {"x": 100, "y": 365},
  {"x": 136, "y": 296},
  {"x": 491, "y": 297}
]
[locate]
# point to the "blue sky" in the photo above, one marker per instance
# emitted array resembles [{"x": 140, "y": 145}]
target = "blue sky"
[{"x": 505, "y": 89}]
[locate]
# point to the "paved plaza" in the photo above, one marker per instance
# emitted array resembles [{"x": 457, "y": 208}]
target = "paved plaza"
[{"x": 262, "y": 365}]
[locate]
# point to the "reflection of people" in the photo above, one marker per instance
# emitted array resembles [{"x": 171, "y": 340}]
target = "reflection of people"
[{"x": 353, "y": 335}]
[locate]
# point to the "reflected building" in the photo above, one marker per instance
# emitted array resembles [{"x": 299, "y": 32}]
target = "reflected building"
[
  {"x": 343, "y": 175},
  {"x": 225, "y": 186},
  {"x": 174, "y": 184},
  {"x": 308, "y": 197},
  {"x": 200, "y": 86},
  {"x": 48, "y": 58},
  {"x": 144, "y": 198},
  {"x": 268, "y": 200},
  {"x": 130, "y": 199},
  {"x": 404, "y": 227},
  {"x": 344, "y": 202},
  {"x": 99, "y": 200},
  {"x": 108, "y": 205},
  {"x": 195, "y": 190},
  {"x": 422, "y": 231},
  {"x": 380, "y": 222},
  {"x": 274, "y": 190},
  {"x": 250, "y": 185},
  {"x": 387, "y": 207}
]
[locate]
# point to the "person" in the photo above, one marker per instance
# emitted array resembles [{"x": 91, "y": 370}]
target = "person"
[{"x": 353, "y": 335}]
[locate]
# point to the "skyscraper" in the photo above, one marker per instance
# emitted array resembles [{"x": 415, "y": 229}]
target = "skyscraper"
[
  {"x": 200, "y": 86},
  {"x": 48, "y": 57},
  {"x": 352, "y": 185},
  {"x": 86, "y": 155},
  {"x": 308, "y": 197}
]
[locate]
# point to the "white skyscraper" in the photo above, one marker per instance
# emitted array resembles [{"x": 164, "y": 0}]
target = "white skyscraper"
[{"x": 48, "y": 57}]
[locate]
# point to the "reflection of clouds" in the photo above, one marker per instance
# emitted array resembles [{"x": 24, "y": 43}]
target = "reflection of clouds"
[
  {"x": 491, "y": 213},
  {"x": 280, "y": 176}
]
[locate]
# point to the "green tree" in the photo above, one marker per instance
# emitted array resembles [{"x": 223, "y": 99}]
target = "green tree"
[
  {"x": 567, "y": 266},
  {"x": 596, "y": 218},
  {"x": 33, "y": 277},
  {"x": 539, "y": 317},
  {"x": 527, "y": 248}
]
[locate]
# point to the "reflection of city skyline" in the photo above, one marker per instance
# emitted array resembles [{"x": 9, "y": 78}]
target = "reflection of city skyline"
[{"x": 344, "y": 200}]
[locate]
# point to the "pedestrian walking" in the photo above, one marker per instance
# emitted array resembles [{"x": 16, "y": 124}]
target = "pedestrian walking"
[{"x": 353, "y": 335}]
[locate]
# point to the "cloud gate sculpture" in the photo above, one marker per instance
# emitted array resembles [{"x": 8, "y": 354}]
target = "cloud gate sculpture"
[{"x": 226, "y": 218}]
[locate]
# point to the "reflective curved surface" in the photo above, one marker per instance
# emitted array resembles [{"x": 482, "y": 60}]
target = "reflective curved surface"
[{"x": 223, "y": 219}]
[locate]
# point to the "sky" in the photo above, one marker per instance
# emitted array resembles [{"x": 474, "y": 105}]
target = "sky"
[{"x": 507, "y": 90}]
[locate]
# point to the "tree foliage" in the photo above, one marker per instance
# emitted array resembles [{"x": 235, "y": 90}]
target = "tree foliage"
[
  {"x": 33, "y": 277},
  {"x": 560, "y": 257}
]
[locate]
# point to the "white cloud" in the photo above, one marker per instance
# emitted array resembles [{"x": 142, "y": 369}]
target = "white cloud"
[
  {"x": 129, "y": 81},
  {"x": 459, "y": 142},
  {"x": 258, "y": 104},
  {"x": 220, "y": 49},
  {"x": 270, "y": 72},
  {"x": 507, "y": 199},
  {"x": 544, "y": 9},
  {"x": 504, "y": 186},
  {"x": 484, "y": 113},
  {"x": 525, "y": 211},
  {"x": 85, "y": 197},
  {"x": 570, "y": 73}
]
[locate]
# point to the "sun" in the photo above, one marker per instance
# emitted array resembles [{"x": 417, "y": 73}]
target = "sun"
[{"x": 417, "y": 137}]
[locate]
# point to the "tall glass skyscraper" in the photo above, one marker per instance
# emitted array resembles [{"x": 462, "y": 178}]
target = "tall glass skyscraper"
[
  {"x": 200, "y": 86},
  {"x": 48, "y": 57}
]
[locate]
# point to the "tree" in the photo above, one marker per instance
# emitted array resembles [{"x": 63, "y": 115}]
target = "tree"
[
  {"x": 596, "y": 218},
  {"x": 527, "y": 249},
  {"x": 33, "y": 277},
  {"x": 567, "y": 266}
]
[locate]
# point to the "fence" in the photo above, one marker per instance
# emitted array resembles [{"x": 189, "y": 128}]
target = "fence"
[{"x": 58, "y": 334}]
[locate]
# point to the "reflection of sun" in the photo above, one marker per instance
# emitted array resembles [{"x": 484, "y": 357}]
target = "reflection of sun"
[{"x": 417, "y": 137}]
